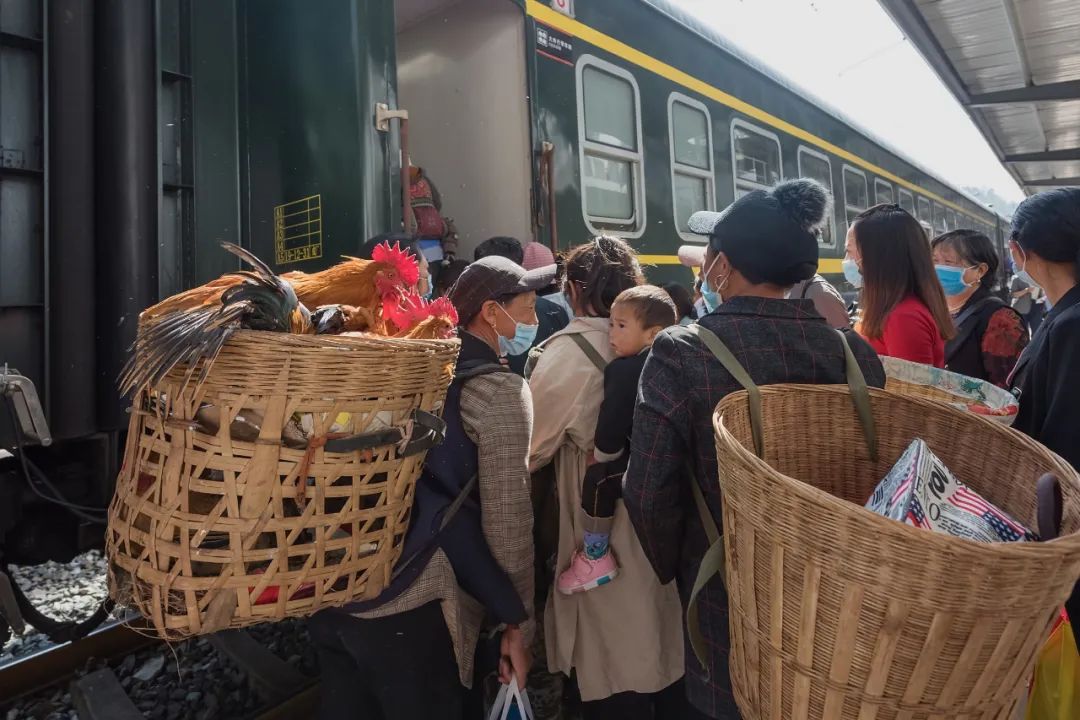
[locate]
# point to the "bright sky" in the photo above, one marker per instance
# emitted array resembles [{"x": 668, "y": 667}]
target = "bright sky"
[{"x": 850, "y": 54}]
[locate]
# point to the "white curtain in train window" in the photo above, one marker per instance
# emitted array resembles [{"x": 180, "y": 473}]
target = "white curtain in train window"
[
  {"x": 939, "y": 219},
  {"x": 757, "y": 160},
  {"x": 856, "y": 195},
  {"x": 611, "y": 148},
  {"x": 691, "y": 161},
  {"x": 816, "y": 166},
  {"x": 883, "y": 193},
  {"x": 926, "y": 216},
  {"x": 906, "y": 201}
]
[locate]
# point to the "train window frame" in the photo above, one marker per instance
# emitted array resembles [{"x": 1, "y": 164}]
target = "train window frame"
[
  {"x": 926, "y": 218},
  {"x": 952, "y": 219},
  {"x": 678, "y": 168},
  {"x": 878, "y": 182},
  {"x": 750, "y": 127},
  {"x": 848, "y": 207},
  {"x": 634, "y": 226},
  {"x": 901, "y": 194},
  {"x": 942, "y": 226},
  {"x": 804, "y": 150}
]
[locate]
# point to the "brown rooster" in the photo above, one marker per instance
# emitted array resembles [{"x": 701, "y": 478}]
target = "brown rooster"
[
  {"x": 367, "y": 286},
  {"x": 414, "y": 318}
]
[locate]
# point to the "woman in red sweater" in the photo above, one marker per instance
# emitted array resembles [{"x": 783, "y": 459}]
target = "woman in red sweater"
[{"x": 904, "y": 312}]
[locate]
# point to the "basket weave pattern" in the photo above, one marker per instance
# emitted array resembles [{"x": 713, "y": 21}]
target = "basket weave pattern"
[
  {"x": 208, "y": 531},
  {"x": 838, "y": 613}
]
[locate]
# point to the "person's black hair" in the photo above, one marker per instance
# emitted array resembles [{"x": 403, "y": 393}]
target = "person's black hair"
[
  {"x": 1048, "y": 224},
  {"x": 601, "y": 269},
  {"x": 974, "y": 248},
  {"x": 448, "y": 275},
  {"x": 407, "y": 242},
  {"x": 684, "y": 301},
  {"x": 651, "y": 305},
  {"x": 507, "y": 247}
]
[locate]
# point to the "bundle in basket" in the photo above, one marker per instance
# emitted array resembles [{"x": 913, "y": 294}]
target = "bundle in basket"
[
  {"x": 967, "y": 393},
  {"x": 837, "y": 613},
  {"x": 279, "y": 485}
]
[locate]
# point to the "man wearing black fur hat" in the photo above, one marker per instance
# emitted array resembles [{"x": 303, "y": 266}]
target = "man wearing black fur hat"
[{"x": 759, "y": 247}]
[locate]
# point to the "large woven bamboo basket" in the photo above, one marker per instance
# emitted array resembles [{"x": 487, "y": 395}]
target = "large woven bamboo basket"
[
  {"x": 233, "y": 515},
  {"x": 838, "y": 613}
]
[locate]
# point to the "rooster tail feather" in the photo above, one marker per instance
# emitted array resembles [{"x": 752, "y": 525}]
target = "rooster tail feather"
[{"x": 250, "y": 258}]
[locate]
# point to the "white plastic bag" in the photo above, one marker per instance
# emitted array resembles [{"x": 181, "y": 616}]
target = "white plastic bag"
[{"x": 510, "y": 696}]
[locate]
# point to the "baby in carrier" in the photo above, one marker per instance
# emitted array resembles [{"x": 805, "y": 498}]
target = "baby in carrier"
[{"x": 637, "y": 317}]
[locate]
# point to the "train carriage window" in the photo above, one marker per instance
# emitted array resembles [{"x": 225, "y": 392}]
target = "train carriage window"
[
  {"x": 856, "y": 194},
  {"x": 758, "y": 163},
  {"x": 926, "y": 217},
  {"x": 906, "y": 201},
  {"x": 939, "y": 219},
  {"x": 813, "y": 164},
  {"x": 692, "y": 172},
  {"x": 883, "y": 192},
  {"x": 609, "y": 123},
  {"x": 951, "y": 220}
]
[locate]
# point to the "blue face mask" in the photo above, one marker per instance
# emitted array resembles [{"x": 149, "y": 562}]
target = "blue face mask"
[
  {"x": 852, "y": 273},
  {"x": 710, "y": 297},
  {"x": 952, "y": 279},
  {"x": 524, "y": 336},
  {"x": 1022, "y": 273}
]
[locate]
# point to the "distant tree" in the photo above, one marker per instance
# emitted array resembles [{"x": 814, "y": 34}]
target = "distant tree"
[{"x": 989, "y": 196}]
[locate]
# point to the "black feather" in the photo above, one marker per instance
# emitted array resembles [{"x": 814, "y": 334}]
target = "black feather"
[{"x": 193, "y": 338}]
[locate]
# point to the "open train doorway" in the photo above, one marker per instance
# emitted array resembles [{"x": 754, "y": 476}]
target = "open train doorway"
[{"x": 461, "y": 74}]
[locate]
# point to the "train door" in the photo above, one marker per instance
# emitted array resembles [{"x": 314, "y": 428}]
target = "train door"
[{"x": 462, "y": 77}]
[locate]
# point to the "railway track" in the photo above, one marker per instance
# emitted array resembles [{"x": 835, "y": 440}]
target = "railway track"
[{"x": 98, "y": 693}]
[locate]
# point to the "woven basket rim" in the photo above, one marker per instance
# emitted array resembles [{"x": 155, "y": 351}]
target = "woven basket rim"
[
  {"x": 342, "y": 342},
  {"x": 878, "y": 524}
]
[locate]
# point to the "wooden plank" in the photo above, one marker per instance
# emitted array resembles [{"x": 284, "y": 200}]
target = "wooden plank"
[
  {"x": 273, "y": 679},
  {"x": 99, "y": 696}
]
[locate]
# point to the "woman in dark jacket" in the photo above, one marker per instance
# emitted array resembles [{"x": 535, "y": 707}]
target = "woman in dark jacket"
[
  {"x": 759, "y": 247},
  {"x": 1045, "y": 248},
  {"x": 990, "y": 335},
  {"x": 1045, "y": 245}
]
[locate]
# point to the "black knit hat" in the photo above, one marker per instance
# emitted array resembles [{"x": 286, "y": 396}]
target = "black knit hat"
[
  {"x": 769, "y": 236},
  {"x": 491, "y": 278}
]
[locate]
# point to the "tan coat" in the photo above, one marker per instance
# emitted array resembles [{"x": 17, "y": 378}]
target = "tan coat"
[{"x": 627, "y": 635}]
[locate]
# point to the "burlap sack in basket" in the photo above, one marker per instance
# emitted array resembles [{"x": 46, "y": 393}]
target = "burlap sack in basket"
[
  {"x": 208, "y": 530},
  {"x": 838, "y": 613}
]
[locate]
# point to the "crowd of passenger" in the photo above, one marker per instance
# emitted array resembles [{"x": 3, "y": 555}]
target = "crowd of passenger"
[{"x": 578, "y": 483}]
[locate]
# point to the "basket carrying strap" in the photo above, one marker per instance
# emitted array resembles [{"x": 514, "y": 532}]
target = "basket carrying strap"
[{"x": 714, "y": 561}]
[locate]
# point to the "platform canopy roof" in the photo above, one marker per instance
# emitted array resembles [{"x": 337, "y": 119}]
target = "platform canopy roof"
[{"x": 1015, "y": 67}]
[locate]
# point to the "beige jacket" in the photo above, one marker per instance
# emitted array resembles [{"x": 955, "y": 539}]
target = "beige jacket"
[
  {"x": 627, "y": 635},
  {"x": 496, "y": 411}
]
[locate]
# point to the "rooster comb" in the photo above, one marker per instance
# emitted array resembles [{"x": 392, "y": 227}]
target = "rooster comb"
[
  {"x": 400, "y": 259},
  {"x": 444, "y": 308}
]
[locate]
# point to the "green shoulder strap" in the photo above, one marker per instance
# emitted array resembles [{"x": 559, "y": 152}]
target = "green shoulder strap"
[
  {"x": 592, "y": 353},
  {"x": 714, "y": 561}
]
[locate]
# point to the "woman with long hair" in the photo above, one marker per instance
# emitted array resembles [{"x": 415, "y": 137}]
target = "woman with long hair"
[
  {"x": 990, "y": 335},
  {"x": 904, "y": 312},
  {"x": 623, "y": 640}
]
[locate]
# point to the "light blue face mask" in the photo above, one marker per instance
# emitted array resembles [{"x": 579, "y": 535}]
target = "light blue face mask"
[
  {"x": 1022, "y": 273},
  {"x": 524, "y": 336},
  {"x": 710, "y": 297},
  {"x": 852, "y": 273},
  {"x": 952, "y": 279}
]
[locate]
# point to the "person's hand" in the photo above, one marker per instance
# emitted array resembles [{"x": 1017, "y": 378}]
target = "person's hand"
[{"x": 516, "y": 658}]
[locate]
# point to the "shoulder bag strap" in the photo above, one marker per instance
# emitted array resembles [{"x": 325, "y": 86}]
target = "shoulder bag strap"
[
  {"x": 714, "y": 561},
  {"x": 592, "y": 353}
]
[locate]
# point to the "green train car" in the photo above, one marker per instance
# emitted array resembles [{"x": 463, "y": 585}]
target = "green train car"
[{"x": 139, "y": 135}]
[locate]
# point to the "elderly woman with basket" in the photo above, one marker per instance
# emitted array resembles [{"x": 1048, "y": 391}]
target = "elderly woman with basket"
[
  {"x": 759, "y": 247},
  {"x": 468, "y": 552},
  {"x": 624, "y": 639}
]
